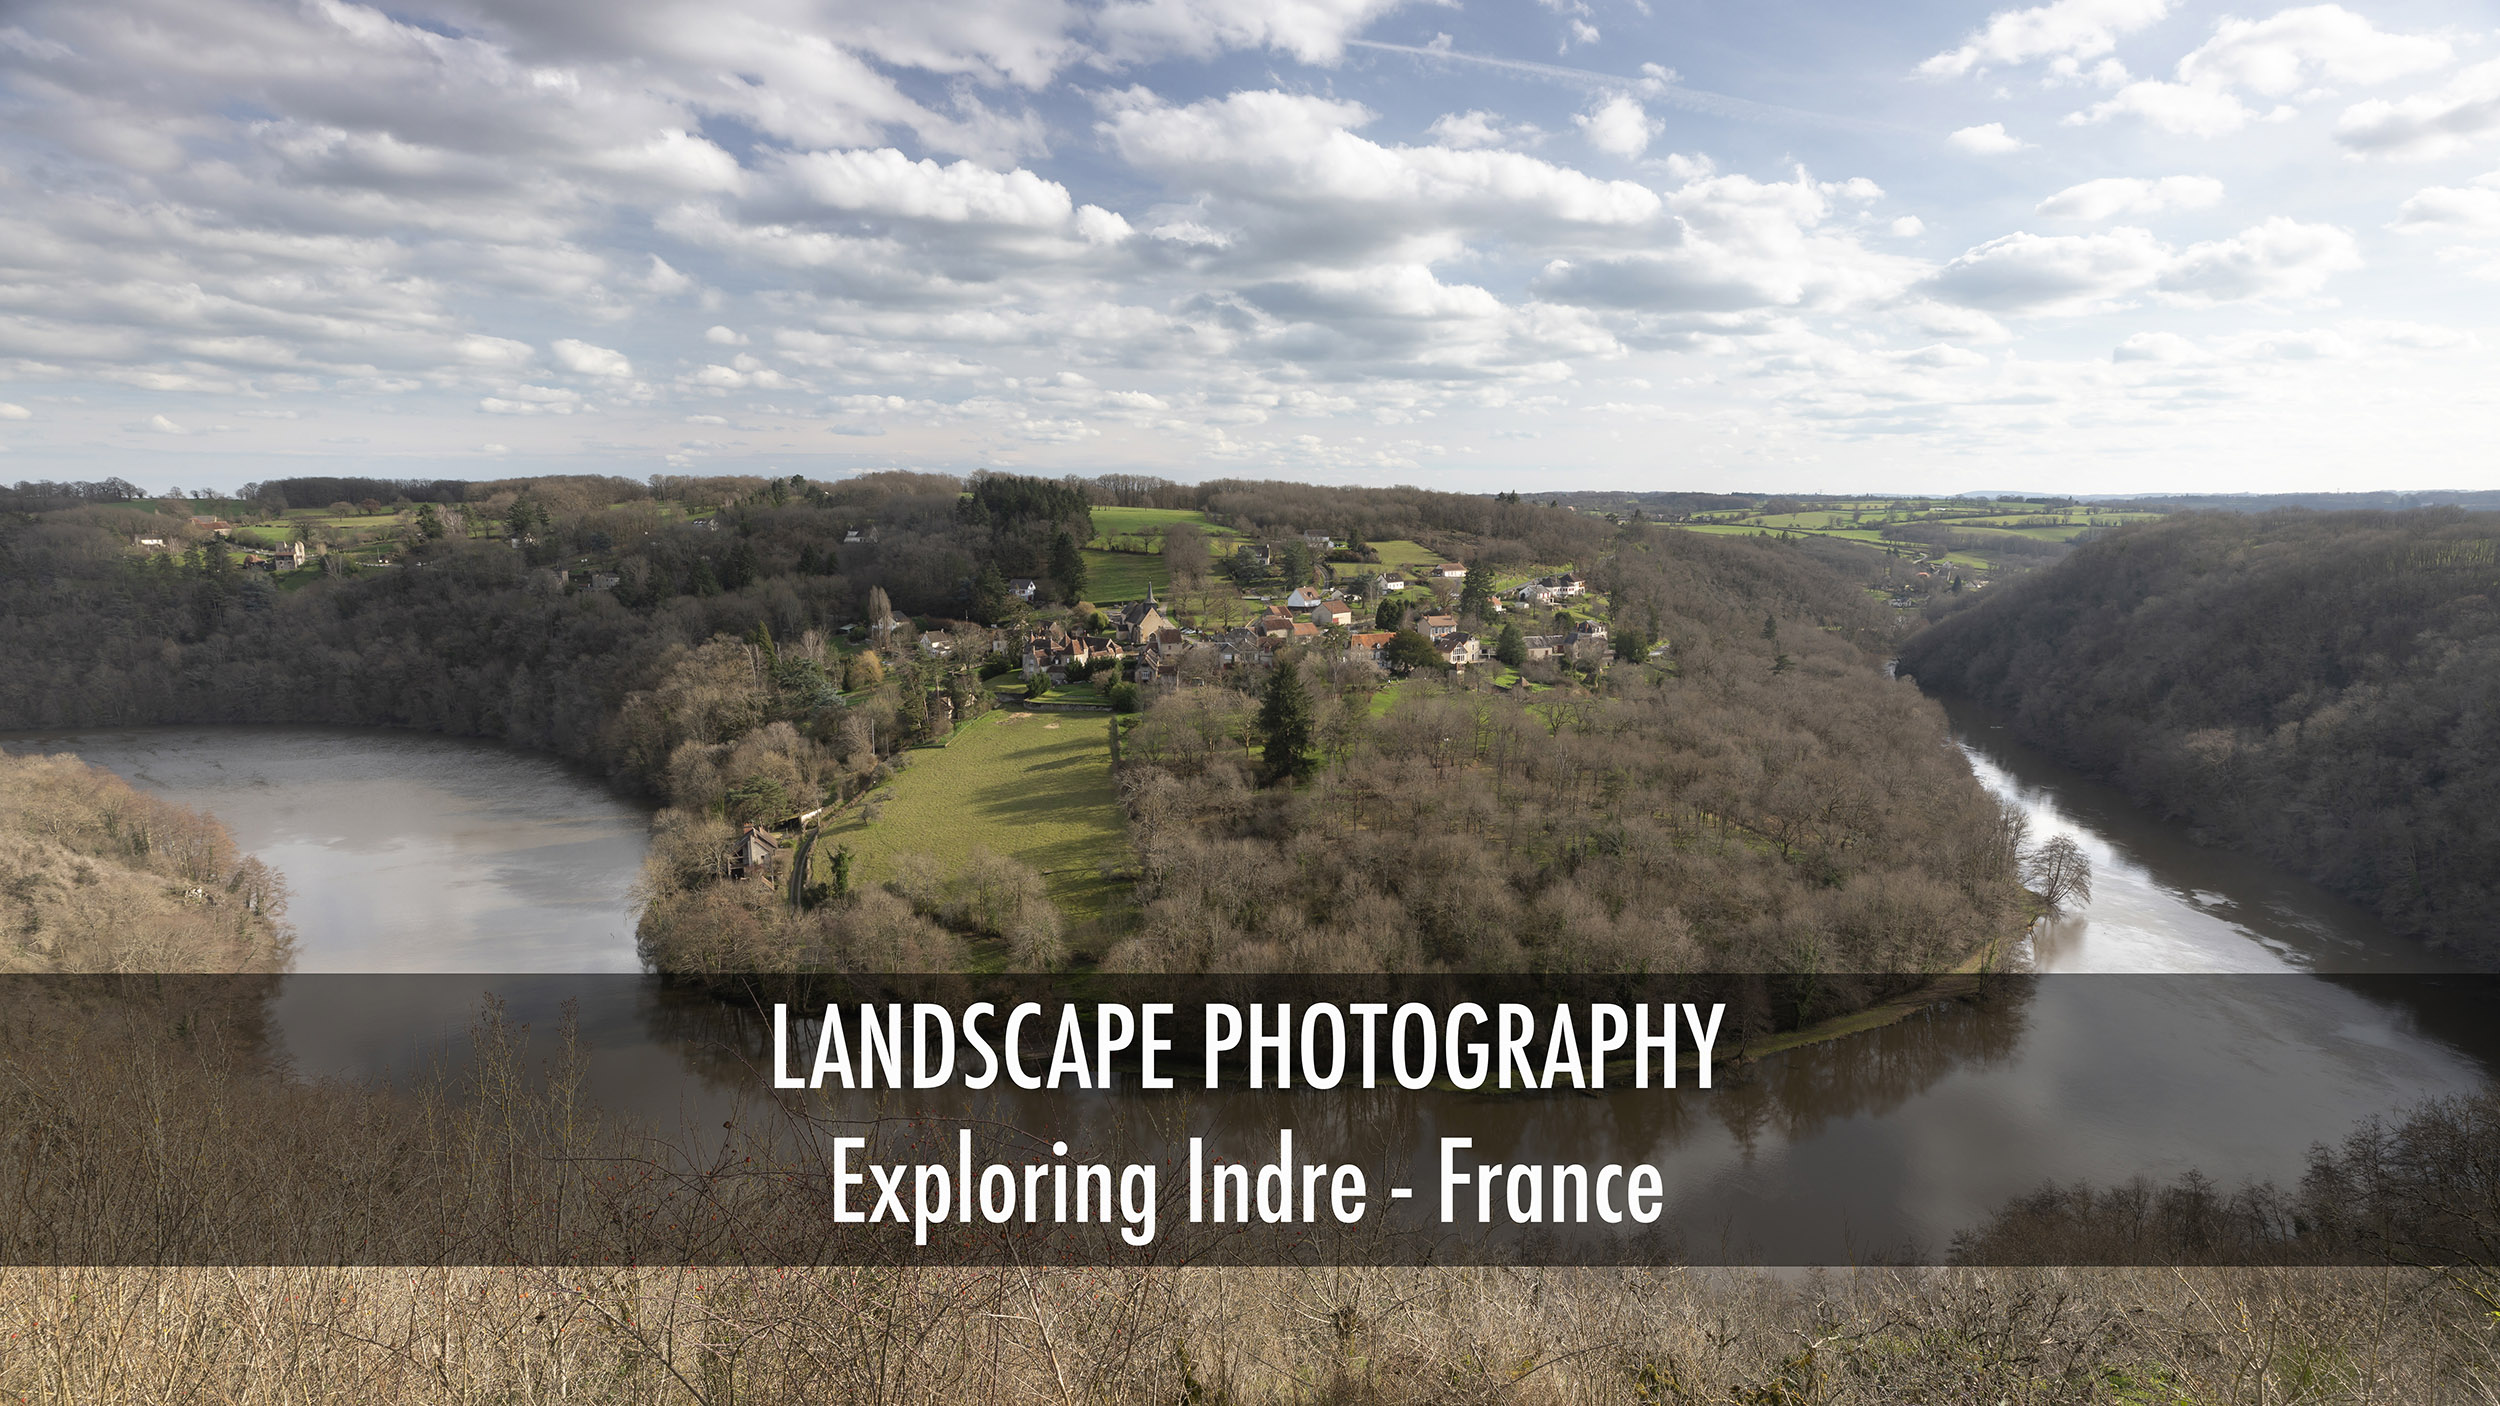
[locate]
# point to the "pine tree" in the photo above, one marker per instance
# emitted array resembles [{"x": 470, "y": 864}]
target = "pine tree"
[
  {"x": 1067, "y": 567},
  {"x": 1285, "y": 716},
  {"x": 1475, "y": 593},
  {"x": 1389, "y": 614},
  {"x": 1511, "y": 646}
]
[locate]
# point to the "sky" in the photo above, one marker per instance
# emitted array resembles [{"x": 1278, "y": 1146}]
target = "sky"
[{"x": 2092, "y": 246}]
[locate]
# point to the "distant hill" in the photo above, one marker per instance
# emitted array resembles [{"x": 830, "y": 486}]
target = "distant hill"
[{"x": 2317, "y": 688}]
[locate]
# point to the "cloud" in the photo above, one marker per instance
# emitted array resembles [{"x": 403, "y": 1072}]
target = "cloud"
[
  {"x": 583, "y": 359},
  {"x": 1469, "y": 130},
  {"x": 1989, "y": 139},
  {"x": 2129, "y": 195},
  {"x": 12, "y": 411},
  {"x": 2301, "y": 48},
  {"x": 2299, "y": 52},
  {"x": 2279, "y": 259},
  {"x": 2447, "y": 119},
  {"x": 482, "y": 350},
  {"x": 1619, "y": 127},
  {"x": 2473, "y": 210},
  {"x": 2072, "y": 29},
  {"x": 2181, "y": 108},
  {"x": 158, "y": 424},
  {"x": 1313, "y": 31},
  {"x": 1906, "y": 227}
]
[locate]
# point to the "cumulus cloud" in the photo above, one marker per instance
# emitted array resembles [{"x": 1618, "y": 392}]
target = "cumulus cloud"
[
  {"x": 1313, "y": 31},
  {"x": 2472, "y": 210},
  {"x": 10, "y": 410},
  {"x": 2070, "y": 29},
  {"x": 2063, "y": 28},
  {"x": 583, "y": 359},
  {"x": 2298, "y": 52},
  {"x": 2450, "y": 118},
  {"x": 1619, "y": 127},
  {"x": 2130, "y": 195},
  {"x": 2279, "y": 259},
  {"x": 1990, "y": 139}
]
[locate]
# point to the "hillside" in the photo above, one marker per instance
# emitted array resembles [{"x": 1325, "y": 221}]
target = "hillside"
[
  {"x": 2315, "y": 688},
  {"x": 95, "y": 877}
]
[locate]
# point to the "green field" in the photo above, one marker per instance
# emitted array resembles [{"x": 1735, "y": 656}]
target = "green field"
[
  {"x": 1123, "y": 576},
  {"x": 1035, "y": 787}
]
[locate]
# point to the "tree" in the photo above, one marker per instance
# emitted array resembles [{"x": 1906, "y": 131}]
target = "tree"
[
  {"x": 1389, "y": 614},
  {"x": 990, "y": 599},
  {"x": 1413, "y": 649},
  {"x": 1294, "y": 559},
  {"x": 2060, "y": 873},
  {"x": 429, "y": 523},
  {"x": 1475, "y": 593},
  {"x": 863, "y": 672},
  {"x": 1185, "y": 555},
  {"x": 1285, "y": 718},
  {"x": 1067, "y": 567},
  {"x": 1511, "y": 646}
]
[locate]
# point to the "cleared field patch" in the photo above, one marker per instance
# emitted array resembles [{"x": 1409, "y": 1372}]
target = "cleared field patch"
[
  {"x": 1035, "y": 787},
  {"x": 1123, "y": 576}
]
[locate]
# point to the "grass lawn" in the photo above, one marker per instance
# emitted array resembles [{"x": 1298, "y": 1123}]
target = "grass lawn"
[
  {"x": 1123, "y": 576},
  {"x": 1117, "y": 522},
  {"x": 1405, "y": 554},
  {"x": 1035, "y": 787}
]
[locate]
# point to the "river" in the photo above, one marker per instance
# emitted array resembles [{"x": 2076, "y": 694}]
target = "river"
[{"x": 411, "y": 853}]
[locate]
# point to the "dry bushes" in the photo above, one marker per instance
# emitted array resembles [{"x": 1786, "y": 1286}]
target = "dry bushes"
[
  {"x": 1238, "y": 1336},
  {"x": 95, "y": 877}
]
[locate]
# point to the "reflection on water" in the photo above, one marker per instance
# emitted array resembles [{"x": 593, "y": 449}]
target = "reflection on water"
[
  {"x": 415, "y": 853},
  {"x": 404, "y": 851}
]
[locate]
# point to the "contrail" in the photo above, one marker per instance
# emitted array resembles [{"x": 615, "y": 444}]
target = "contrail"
[{"x": 1689, "y": 99}]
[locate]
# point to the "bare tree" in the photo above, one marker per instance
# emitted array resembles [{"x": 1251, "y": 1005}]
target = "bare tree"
[{"x": 2059, "y": 873}]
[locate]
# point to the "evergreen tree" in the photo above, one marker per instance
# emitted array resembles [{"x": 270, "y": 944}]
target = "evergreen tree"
[
  {"x": 1475, "y": 593},
  {"x": 1511, "y": 646},
  {"x": 1389, "y": 614},
  {"x": 1294, "y": 559},
  {"x": 1285, "y": 716},
  {"x": 1067, "y": 567},
  {"x": 989, "y": 595}
]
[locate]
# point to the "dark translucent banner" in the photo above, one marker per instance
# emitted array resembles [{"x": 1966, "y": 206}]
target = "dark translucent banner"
[{"x": 1721, "y": 1119}]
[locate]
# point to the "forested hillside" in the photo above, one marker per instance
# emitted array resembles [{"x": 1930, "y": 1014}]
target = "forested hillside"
[{"x": 2322, "y": 689}]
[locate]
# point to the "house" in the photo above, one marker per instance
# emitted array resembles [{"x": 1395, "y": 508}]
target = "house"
[
  {"x": 1272, "y": 624},
  {"x": 1024, "y": 588},
  {"x": 1568, "y": 586},
  {"x": 1332, "y": 612},
  {"x": 1546, "y": 646},
  {"x": 1321, "y": 542},
  {"x": 756, "y": 853},
  {"x": 1372, "y": 645},
  {"x": 1303, "y": 598},
  {"x": 1534, "y": 593},
  {"x": 1460, "y": 648},
  {"x": 1392, "y": 581},
  {"x": 1450, "y": 571},
  {"x": 1436, "y": 626}
]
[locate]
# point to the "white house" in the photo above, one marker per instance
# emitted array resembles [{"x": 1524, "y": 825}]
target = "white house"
[
  {"x": 1303, "y": 598},
  {"x": 1450, "y": 571},
  {"x": 1024, "y": 588}
]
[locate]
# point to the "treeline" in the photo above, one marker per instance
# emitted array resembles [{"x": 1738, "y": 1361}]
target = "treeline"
[
  {"x": 2315, "y": 688},
  {"x": 96, "y": 877},
  {"x": 1754, "y": 797},
  {"x": 45, "y": 496}
]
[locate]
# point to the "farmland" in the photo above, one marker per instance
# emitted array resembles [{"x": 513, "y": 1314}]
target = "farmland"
[{"x": 1974, "y": 523}]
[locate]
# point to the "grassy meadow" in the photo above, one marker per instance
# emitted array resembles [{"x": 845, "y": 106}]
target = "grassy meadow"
[{"x": 1035, "y": 787}]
